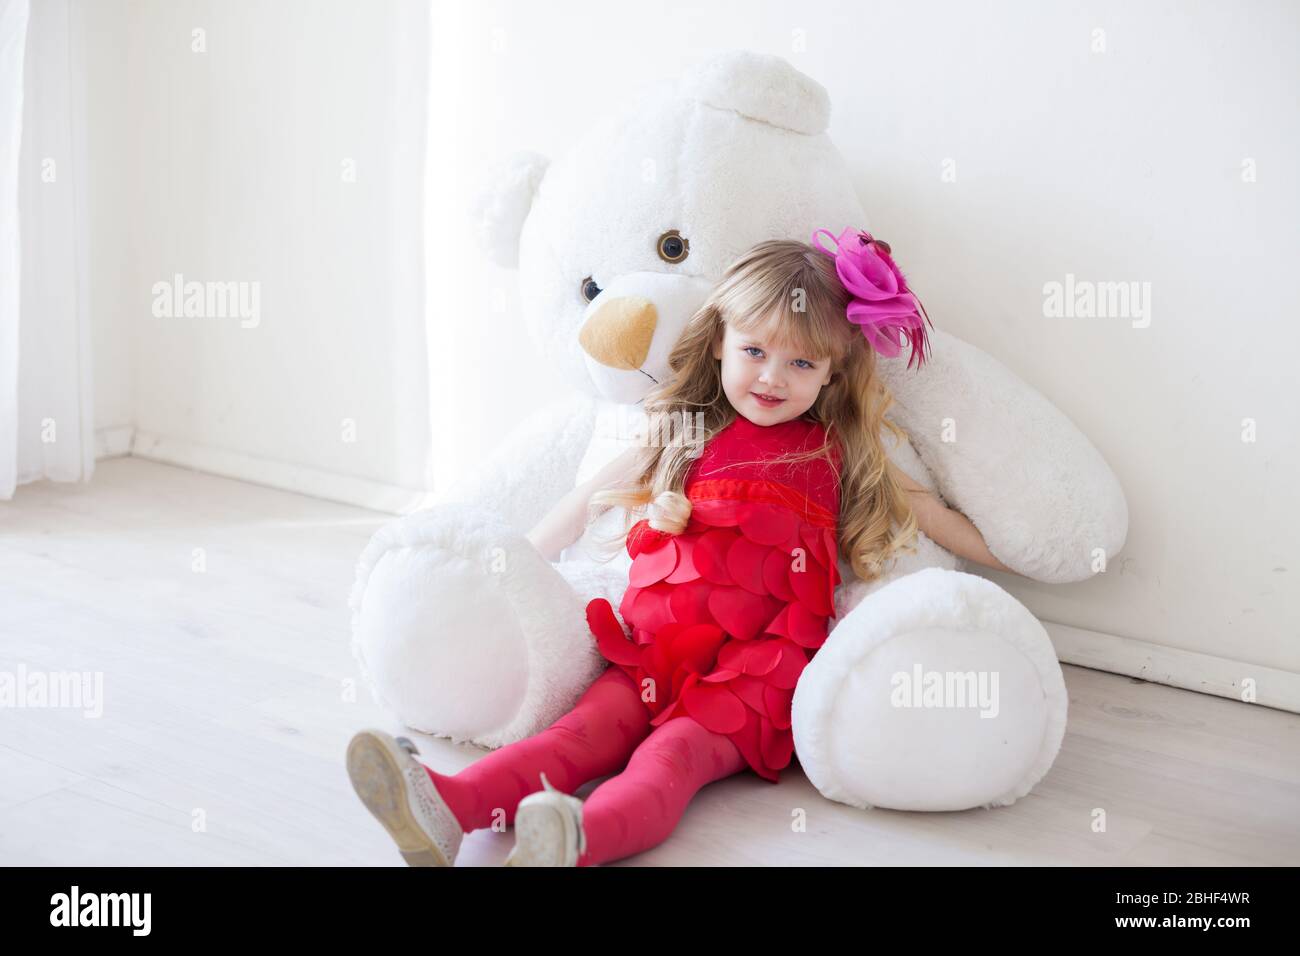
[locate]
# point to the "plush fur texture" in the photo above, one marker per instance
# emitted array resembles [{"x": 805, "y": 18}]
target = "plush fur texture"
[
  {"x": 1047, "y": 508},
  {"x": 859, "y": 746},
  {"x": 513, "y": 646},
  {"x": 735, "y": 154}
]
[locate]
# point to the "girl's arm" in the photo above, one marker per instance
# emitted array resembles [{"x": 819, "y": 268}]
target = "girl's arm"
[
  {"x": 945, "y": 527},
  {"x": 565, "y": 523}
]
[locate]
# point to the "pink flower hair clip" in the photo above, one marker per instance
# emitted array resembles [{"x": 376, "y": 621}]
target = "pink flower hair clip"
[{"x": 882, "y": 305}]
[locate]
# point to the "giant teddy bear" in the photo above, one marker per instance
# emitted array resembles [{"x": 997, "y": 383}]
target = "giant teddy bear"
[{"x": 935, "y": 690}]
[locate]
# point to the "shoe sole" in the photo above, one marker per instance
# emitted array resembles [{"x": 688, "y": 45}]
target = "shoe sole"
[
  {"x": 542, "y": 833},
  {"x": 375, "y": 766}
]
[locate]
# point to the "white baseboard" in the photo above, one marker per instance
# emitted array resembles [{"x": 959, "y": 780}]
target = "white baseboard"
[
  {"x": 377, "y": 496},
  {"x": 1174, "y": 666},
  {"x": 113, "y": 441}
]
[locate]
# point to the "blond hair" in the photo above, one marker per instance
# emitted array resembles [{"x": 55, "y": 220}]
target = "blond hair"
[{"x": 760, "y": 291}]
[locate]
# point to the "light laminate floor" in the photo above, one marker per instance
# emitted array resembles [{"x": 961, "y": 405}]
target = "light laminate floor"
[{"x": 226, "y": 715}]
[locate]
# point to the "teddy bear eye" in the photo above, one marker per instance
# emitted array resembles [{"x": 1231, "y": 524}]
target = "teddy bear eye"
[
  {"x": 589, "y": 289},
  {"x": 673, "y": 247}
]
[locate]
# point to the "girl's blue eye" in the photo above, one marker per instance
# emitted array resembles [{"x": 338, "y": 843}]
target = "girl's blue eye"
[{"x": 754, "y": 348}]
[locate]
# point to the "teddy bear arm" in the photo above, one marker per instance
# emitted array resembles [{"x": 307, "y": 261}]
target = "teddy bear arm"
[
  {"x": 532, "y": 468},
  {"x": 1042, "y": 496}
]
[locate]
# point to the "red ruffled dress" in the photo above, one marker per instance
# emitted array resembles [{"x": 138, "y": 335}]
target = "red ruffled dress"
[{"x": 725, "y": 615}]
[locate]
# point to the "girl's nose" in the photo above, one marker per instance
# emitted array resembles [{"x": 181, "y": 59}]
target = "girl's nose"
[{"x": 770, "y": 377}]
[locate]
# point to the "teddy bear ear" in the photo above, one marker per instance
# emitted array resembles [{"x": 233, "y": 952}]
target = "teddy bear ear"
[
  {"x": 762, "y": 87},
  {"x": 501, "y": 203}
]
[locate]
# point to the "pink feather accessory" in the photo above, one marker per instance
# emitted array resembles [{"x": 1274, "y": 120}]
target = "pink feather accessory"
[{"x": 883, "y": 306}]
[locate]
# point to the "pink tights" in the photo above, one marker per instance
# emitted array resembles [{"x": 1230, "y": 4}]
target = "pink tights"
[{"x": 609, "y": 727}]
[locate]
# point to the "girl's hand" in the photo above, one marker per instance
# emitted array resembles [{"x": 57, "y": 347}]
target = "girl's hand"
[{"x": 946, "y": 527}]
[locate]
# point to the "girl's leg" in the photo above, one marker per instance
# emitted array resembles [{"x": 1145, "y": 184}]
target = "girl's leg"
[
  {"x": 640, "y": 807},
  {"x": 593, "y": 740}
]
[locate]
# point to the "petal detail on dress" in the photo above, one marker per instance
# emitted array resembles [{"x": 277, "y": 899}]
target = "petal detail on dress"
[
  {"x": 680, "y": 676},
  {"x": 711, "y": 555},
  {"x": 806, "y": 629},
  {"x": 675, "y": 708},
  {"x": 780, "y": 623},
  {"x": 811, "y": 535},
  {"x": 625, "y": 606},
  {"x": 833, "y": 581},
  {"x": 762, "y": 657},
  {"x": 652, "y": 566},
  {"x": 750, "y": 690},
  {"x": 747, "y": 739},
  {"x": 689, "y": 602},
  {"x": 793, "y": 660},
  {"x": 650, "y": 610},
  {"x": 776, "y": 746},
  {"x": 766, "y": 523},
  {"x": 717, "y": 708},
  {"x": 696, "y": 647},
  {"x": 657, "y": 657},
  {"x": 738, "y": 611},
  {"x": 641, "y": 537},
  {"x": 776, "y": 575},
  {"x": 745, "y": 561},
  {"x": 811, "y": 587},
  {"x": 696, "y": 527},
  {"x": 778, "y": 702},
  {"x": 685, "y": 570},
  {"x": 721, "y": 675},
  {"x": 755, "y": 658}
]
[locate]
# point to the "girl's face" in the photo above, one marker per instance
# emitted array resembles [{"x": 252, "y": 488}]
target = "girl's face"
[{"x": 753, "y": 366}]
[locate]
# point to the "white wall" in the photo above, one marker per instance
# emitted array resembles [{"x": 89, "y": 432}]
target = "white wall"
[
  {"x": 228, "y": 165},
  {"x": 1119, "y": 165}
]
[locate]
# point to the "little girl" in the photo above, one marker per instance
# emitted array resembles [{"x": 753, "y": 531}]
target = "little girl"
[{"x": 733, "y": 572}]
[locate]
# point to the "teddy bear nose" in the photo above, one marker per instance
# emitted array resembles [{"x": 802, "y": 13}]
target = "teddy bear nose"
[{"x": 619, "y": 333}]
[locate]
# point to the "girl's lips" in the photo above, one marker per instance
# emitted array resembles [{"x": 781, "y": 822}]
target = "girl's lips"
[{"x": 766, "y": 401}]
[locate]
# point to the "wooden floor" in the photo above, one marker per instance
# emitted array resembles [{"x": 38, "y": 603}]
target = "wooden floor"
[{"x": 226, "y": 713}]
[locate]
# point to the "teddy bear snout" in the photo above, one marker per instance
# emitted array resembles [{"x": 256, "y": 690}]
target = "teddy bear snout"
[{"x": 619, "y": 333}]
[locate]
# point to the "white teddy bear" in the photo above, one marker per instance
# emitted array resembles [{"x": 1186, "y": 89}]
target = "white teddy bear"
[{"x": 936, "y": 690}]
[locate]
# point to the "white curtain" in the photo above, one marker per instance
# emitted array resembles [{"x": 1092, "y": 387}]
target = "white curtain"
[{"x": 46, "y": 394}]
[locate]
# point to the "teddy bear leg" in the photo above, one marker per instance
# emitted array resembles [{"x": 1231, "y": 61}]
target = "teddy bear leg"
[
  {"x": 939, "y": 691},
  {"x": 464, "y": 630}
]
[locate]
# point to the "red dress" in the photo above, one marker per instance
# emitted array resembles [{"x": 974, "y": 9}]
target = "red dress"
[{"x": 725, "y": 615}]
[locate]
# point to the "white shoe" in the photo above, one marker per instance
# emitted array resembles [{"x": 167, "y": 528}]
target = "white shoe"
[
  {"x": 396, "y": 788},
  {"x": 548, "y": 829}
]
